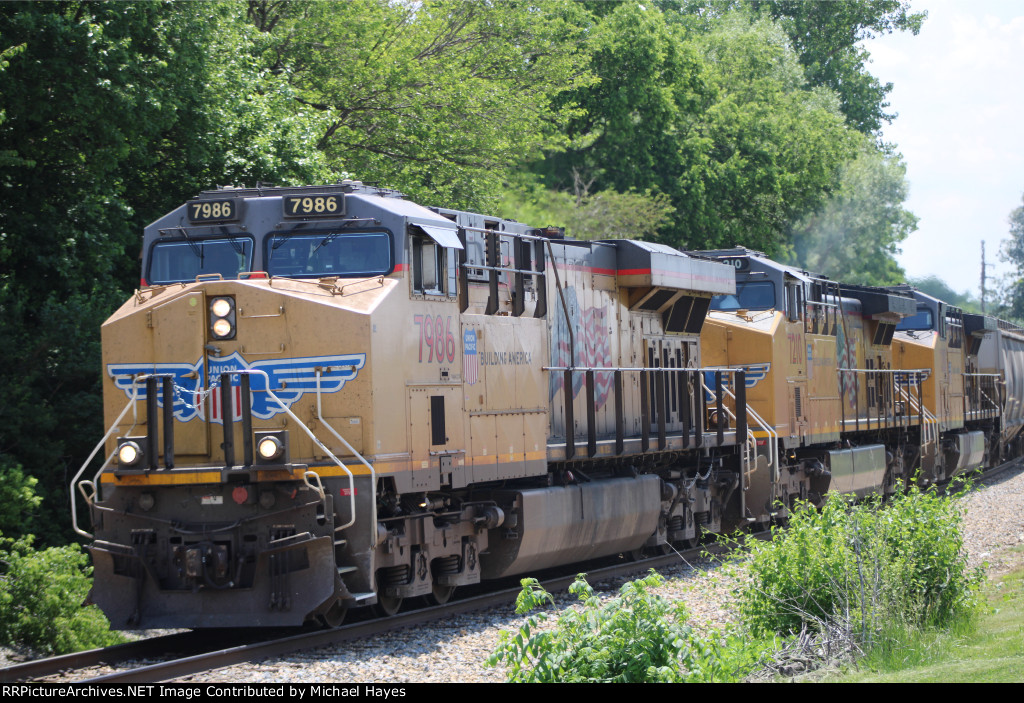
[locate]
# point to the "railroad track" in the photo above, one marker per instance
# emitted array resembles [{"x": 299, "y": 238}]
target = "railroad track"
[
  {"x": 195, "y": 653},
  {"x": 201, "y": 651}
]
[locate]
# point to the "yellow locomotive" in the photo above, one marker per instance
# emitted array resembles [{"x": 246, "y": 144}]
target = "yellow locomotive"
[
  {"x": 861, "y": 389},
  {"x": 326, "y": 397}
]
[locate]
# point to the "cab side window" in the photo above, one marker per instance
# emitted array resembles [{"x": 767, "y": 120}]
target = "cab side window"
[
  {"x": 433, "y": 268},
  {"x": 794, "y": 301}
]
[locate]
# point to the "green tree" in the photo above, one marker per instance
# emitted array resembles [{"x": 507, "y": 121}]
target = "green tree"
[
  {"x": 936, "y": 287},
  {"x": 113, "y": 114},
  {"x": 855, "y": 236},
  {"x": 605, "y": 214},
  {"x": 440, "y": 99},
  {"x": 18, "y": 499},
  {"x": 719, "y": 120},
  {"x": 766, "y": 150},
  {"x": 1012, "y": 252},
  {"x": 829, "y": 37}
]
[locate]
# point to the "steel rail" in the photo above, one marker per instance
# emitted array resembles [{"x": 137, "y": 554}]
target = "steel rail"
[{"x": 251, "y": 651}]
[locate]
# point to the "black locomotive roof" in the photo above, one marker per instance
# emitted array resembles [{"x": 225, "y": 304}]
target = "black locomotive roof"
[
  {"x": 876, "y": 301},
  {"x": 979, "y": 324},
  {"x": 269, "y": 191}
]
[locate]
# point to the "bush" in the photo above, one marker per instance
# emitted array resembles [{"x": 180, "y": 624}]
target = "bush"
[
  {"x": 41, "y": 595},
  {"x": 868, "y": 567},
  {"x": 18, "y": 500},
  {"x": 636, "y": 637}
]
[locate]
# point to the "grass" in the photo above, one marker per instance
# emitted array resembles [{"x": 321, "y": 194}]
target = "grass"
[{"x": 988, "y": 650}]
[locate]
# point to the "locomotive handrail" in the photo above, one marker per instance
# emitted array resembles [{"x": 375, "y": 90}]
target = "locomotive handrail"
[
  {"x": 317, "y": 442},
  {"x": 74, "y": 508},
  {"x": 895, "y": 385},
  {"x": 373, "y": 473},
  {"x": 658, "y": 404},
  {"x": 133, "y": 399},
  {"x": 318, "y": 488},
  {"x": 929, "y": 421},
  {"x": 773, "y": 459},
  {"x": 749, "y": 449}
]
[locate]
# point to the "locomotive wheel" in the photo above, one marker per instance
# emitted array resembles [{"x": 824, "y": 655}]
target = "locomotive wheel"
[
  {"x": 334, "y": 616},
  {"x": 694, "y": 541},
  {"x": 388, "y": 605},
  {"x": 440, "y": 595}
]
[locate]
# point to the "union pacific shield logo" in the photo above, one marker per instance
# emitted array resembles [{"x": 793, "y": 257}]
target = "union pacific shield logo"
[{"x": 289, "y": 379}]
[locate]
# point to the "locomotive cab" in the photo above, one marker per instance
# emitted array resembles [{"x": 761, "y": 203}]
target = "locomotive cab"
[
  {"x": 819, "y": 374},
  {"x": 956, "y": 403}
]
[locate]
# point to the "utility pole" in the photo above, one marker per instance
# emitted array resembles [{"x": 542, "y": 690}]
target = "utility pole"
[
  {"x": 984, "y": 269},
  {"x": 982, "y": 276}
]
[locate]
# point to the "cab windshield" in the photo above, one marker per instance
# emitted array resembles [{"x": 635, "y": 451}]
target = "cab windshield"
[
  {"x": 180, "y": 261},
  {"x": 922, "y": 320},
  {"x": 343, "y": 254},
  {"x": 750, "y": 295}
]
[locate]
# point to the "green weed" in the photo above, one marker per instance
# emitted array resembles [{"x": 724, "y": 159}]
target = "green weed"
[
  {"x": 872, "y": 568},
  {"x": 635, "y": 637}
]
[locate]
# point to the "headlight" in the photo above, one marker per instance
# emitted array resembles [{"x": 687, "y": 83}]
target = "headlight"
[
  {"x": 271, "y": 447},
  {"x": 221, "y": 328},
  {"x": 129, "y": 452},
  {"x": 221, "y": 307},
  {"x": 222, "y": 318}
]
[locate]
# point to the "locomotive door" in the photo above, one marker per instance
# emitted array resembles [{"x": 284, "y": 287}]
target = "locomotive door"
[
  {"x": 437, "y": 454},
  {"x": 179, "y": 333},
  {"x": 800, "y": 357}
]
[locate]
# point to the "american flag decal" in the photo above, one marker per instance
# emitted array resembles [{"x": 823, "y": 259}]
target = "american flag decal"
[
  {"x": 216, "y": 411},
  {"x": 470, "y": 359}
]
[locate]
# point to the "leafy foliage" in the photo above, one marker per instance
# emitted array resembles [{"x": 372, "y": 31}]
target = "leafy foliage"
[
  {"x": 828, "y": 37},
  {"x": 17, "y": 496},
  {"x": 855, "y": 236},
  {"x": 113, "y": 113},
  {"x": 866, "y": 566},
  {"x": 606, "y": 214},
  {"x": 1012, "y": 252},
  {"x": 636, "y": 637},
  {"x": 41, "y": 596},
  {"x": 935, "y": 286},
  {"x": 721, "y": 121},
  {"x": 440, "y": 99}
]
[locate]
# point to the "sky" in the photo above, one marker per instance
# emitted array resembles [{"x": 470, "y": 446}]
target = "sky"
[{"x": 958, "y": 89}]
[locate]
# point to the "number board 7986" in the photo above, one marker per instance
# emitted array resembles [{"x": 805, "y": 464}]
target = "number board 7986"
[
  {"x": 314, "y": 205},
  {"x": 226, "y": 210}
]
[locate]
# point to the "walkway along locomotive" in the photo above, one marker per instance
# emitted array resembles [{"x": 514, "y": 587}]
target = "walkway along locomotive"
[{"x": 324, "y": 397}]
